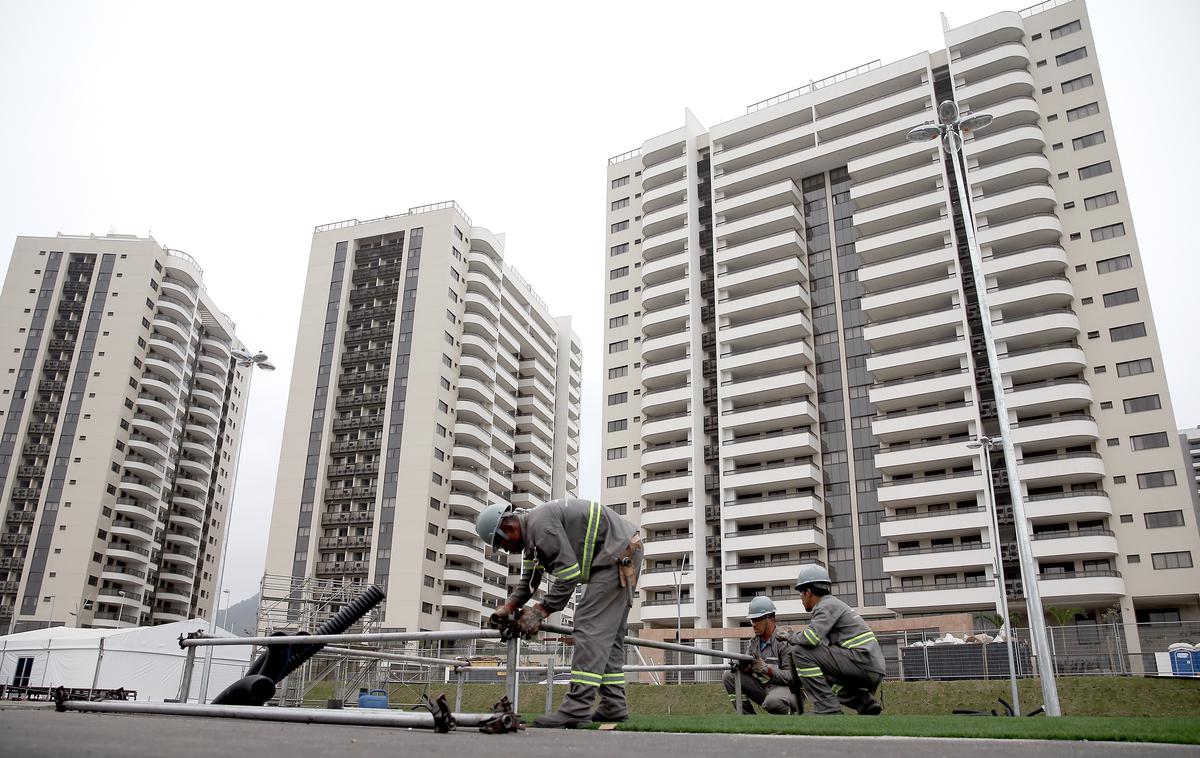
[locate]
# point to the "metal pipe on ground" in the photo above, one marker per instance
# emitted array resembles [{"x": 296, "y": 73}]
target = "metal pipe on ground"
[
  {"x": 382, "y": 656},
  {"x": 293, "y": 715},
  {"x": 293, "y": 639}
]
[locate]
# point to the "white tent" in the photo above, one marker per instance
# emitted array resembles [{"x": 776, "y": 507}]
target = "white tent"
[{"x": 147, "y": 659}]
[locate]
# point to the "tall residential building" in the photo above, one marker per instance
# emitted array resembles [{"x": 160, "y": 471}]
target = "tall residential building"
[
  {"x": 423, "y": 357},
  {"x": 1189, "y": 443},
  {"x": 122, "y": 412},
  {"x": 795, "y": 366}
]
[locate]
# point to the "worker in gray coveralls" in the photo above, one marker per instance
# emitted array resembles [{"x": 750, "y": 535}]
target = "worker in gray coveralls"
[
  {"x": 836, "y": 658},
  {"x": 767, "y": 680},
  {"x": 577, "y": 542}
]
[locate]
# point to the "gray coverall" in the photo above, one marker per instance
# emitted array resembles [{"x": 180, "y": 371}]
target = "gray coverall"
[
  {"x": 774, "y": 695},
  {"x": 836, "y": 657},
  {"x": 580, "y": 542}
]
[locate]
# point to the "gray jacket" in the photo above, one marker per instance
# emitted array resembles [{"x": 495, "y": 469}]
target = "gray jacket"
[
  {"x": 774, "y": 653},
  {"x": 569, "y": 538},
  {"x": 835, "y": 623}
]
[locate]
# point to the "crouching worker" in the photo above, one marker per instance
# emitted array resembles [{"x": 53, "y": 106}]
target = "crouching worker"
[
  {"x": 836, "y": 658},
  {"x": 767, "y": 680},
  {"x": 577, "y": 542}
]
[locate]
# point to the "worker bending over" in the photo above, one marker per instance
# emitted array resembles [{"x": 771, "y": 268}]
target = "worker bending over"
[
  {"x": 836, "y": 657},
  {"x": 767, "y": 680},
  {"x": 577, "y": 542}
]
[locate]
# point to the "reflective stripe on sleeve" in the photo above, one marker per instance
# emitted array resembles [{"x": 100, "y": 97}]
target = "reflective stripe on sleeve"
[{"x": 589, "y": 540}]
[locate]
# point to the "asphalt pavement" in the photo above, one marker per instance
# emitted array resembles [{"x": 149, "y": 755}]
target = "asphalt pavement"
[{"x": 38, "y": 733}]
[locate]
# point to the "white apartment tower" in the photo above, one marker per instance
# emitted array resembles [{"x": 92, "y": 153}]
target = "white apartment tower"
[
  {"x": 122, "y": 413},
  {"x": 794, "y": 365},
  {"x": 429, "y": 381}
]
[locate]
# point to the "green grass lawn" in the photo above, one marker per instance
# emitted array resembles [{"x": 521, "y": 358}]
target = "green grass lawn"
[
  {"x": 1096, "y": 708},
  {"x": 1174, "y": 730}
]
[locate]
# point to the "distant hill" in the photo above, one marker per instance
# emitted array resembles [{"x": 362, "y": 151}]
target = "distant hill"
[{"x": 240, "y": 617}]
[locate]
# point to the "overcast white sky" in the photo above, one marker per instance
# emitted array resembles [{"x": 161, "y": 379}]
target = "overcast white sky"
[{"x": 231, "y": 129}]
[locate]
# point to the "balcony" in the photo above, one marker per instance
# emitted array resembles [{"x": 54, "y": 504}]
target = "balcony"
[
  {"x": 1080, "y": 544},
  {"x": 666, "y": 372},
  {"x": 667, "y": 243},
  {"x": 943, "y": 558},
  {"x": 761, "y": 250},
  {"x": 899, "y": 426},
  {"x": 667, "y": 400},
  {"x": 1082, "y": 586},
  {"x": 734, "y": 284},
  {"x": 666, "y": 484},
  {"x": 778, "y": 539},
  {"x": 666, "y": 346},
  {"x": 1036, "y": 261},
  {"x": 665, "y": 320},
  {"x": 1043, "y": 327},
  {"x": 777, "y": 386},
  {"x": 759, "y": 573},
  {"x": 907, "y": 270},
  {"x": 770, "y": 445},
  {"x": 911, "y": 300},
  {"x": 767, "y": 358},
  {"x": 923, "y": 456},
  {"x": 931, "y": 356},
  {"x": 663, "y": 428},
  {"x": 656, "y": 546},
  {"x": 903, "y": 240},
  {"x": 766, "y": 330},
  {"x": 769, "y": 222},
  {"x": 136, "y": 510},
  {"x": 659, "y": 516},
  {"x": 1067, "y": 430},
  {"x": 756, "y": 201},
  {"x": 758, "y": 478},
  {"x": 1053, "y": 291},
  {"x": 787, "y": 605},
  {"x": 665, "y": 294},
  {"x": 1076, "y": 504},
  {"x": 1003, "y": 86},
  {"x": 899, "y": 331},
  {"x": 665, "y": 219},
  {"x": 669, "y": 455},
  {"x": 1023, "y": 169},
  {"x": 942, "y": 597},
  {"x": 1067, "y": 468},
  {"x": 776, "y": 507},
  {"x": 944, "y": 523},
  {"x": 930, "y": 489},
  {"x": 666, "y": 610},
  {"x": 927, "y": 202},
  {"x": 923, "y": 172},
  {"x": 1042, "y": 362},
  {"x": 768, "y": 415}
]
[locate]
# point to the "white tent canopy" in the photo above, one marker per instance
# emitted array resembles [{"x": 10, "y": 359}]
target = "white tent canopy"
[{"x": 147, "y": 659}]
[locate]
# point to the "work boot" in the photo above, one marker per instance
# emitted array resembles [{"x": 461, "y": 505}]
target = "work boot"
[
  {"x": 607, "y": 716},
  {"x": 560, "y": 720},
  {"x": 872, "y": 708}
]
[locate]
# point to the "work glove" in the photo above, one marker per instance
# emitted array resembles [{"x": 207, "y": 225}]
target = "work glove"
[
  {"x": 759, "y": 668},
  {"x": 503, "y": 615},
  {"x": 784, "y": 636},
  {"x": 530, "y": 621}
]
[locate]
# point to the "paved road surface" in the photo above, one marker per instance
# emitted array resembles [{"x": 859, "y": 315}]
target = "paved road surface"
[{"x": 31, "y": 733}]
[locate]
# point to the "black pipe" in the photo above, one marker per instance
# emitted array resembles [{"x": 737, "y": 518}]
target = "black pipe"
[{"x": 277, "y": 661}]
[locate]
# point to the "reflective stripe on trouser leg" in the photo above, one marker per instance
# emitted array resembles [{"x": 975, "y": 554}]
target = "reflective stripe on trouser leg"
[
  {"x": 813, "y": 680},
  {"x": 612, "y": 690},
  {"x": 753, "y": 690},
  {"x": 599, "y": 622},
  {"x": 817, "y": 669}
]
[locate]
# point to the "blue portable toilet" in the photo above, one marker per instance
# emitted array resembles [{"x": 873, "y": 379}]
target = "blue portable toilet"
[
  {"x": 372, "y": 699},
  {"x": 1181, "y": 662},
  {"x": 1196, "y": 662}
]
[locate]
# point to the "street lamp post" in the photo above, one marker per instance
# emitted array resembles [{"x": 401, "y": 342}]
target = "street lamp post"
[
  {"x": 50, "y": 621},
  {"x": 243, "y": 359},
  {"x": 985, "y": 445},
  {"x": 951, "y": 129},
  {"x": 678, "y": 605}
]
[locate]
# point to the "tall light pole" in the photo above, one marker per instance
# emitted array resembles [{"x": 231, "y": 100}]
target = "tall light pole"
[
  {"x": 951, "y": 129},
  {"x": 50, "y": 621},
  {"x": 678, "y": 575},
  {"x": 985, "y": 445},
  {"x": 245, "y": 360}
]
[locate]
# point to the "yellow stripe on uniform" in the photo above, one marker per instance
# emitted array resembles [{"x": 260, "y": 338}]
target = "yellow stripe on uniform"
[
  {"x": 615, "y": 678},
  {"x": 810, "y": 673},
  {"x": 589, "y": 541},
  {"x": 586, "y": 677},
  {"x": 811, "y": 636},
  {"x": 858, "y": 640},
  {"x": 567, "y": 573}
]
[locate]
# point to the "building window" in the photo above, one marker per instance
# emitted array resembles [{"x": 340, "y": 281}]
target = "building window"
[
  {"x": 619, "y": 346},
  {"x": 1096, "y": 169},
  {"x": 1112, "y": 231},
  {"x": 1119, "y": 263},
  {"x": 1133, "y": 558},
  {"x": 620, "y": 226},
  {"x": 618, "y": 249},
  {"x": 619, "y": 204},
  {"x": 1133, "y": 368},
  {"x": 1088, "y": 140},
  {"x": 1155, "y": 479},
  {"x": 1149, "y": 441},
  {"x": 1100, "y": 201},
  {"x": 617, "y": 398},
  {"x": 617, "y": 453},
  {"x": 1143, "y": 403},
  {"x": 616, "y": 321},
  {"x": 1071, "y": 56},
  {"x": 620, "y": 181},
  {"x": 617, "y": 372},
  {"x": 618, "y": 297},
  {"x": 615, "y": 481},
  {"x": 619, "y": 425},
  {"x": 1163, "y": 519},
  {"x": 1083, "y": 111},
  {"x": 617, "y": 273},
  {"x": 1120, "y": 297},
  {"x": 1065, "y": 29},
  {"x": 1179, "y": 560},
  {"x": 1127, "y": 332},
  {"x": 1078, "y": 83}
]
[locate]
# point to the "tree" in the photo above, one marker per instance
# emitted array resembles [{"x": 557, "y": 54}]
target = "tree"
[{"x": 1064, "y": 616}]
